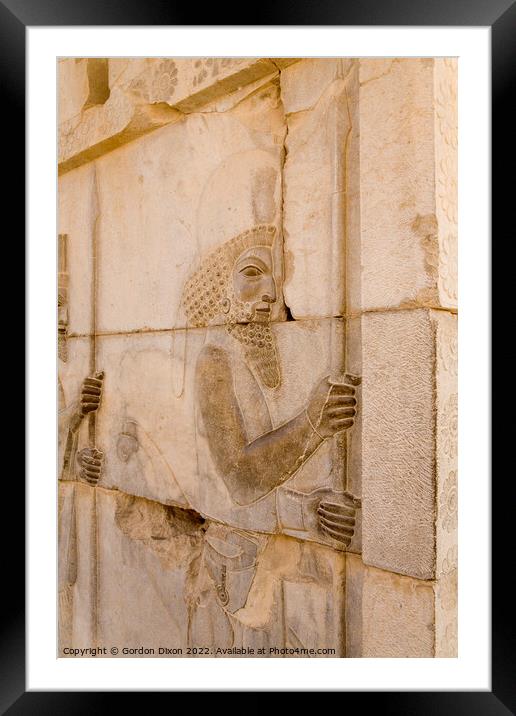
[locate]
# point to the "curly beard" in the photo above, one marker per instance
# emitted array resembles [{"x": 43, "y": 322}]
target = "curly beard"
[{"x": 259, "y": 349}]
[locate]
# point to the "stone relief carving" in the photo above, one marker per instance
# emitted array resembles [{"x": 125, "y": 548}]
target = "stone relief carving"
[
  {"x": 448, "y": 502},
  {"x": 243, "y": 578},
  {"x": 237, "y": 281},
  {"x": 62, "y": 297},
  {"x": 449, "y": 431},
  {"x": 446, "y": 174}
]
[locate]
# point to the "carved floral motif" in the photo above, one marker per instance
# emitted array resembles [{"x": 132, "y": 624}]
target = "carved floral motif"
[
  {"x": 449, "y": 427},
  {"x": 448, "y": 502}
]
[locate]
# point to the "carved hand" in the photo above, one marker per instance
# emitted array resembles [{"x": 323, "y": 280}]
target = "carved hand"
[
  {"x": 90, "y": 461},
  {"x": 330, "y": 516},
  {"x": 332, "y": 406},
  {"x": 91, "y": 393}
]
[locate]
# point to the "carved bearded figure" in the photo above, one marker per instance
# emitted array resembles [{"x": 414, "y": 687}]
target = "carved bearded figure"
[{"x": 243, "y": 458}]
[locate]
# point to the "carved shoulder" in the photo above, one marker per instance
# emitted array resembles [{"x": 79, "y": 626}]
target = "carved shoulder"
[{"x": 213, "y": 362}]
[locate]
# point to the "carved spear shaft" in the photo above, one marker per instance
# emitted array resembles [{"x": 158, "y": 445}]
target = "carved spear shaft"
[
  {"x": 339, "y": 131},
  {"x": 92, "y": 417}
]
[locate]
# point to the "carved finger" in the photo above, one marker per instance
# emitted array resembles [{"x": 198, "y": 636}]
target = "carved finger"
[
  {"x": 90, "y": 477},
  {"x": 89, "y": 407},
  {"x": 342, "y": 531},
  {"x": 89, "y": 460},
  {"x": 336, "y": 518},
  {"x": 92, "y": 471},
  {"x": 338, "y": 532},
  {"x": 336, "y": 535},
  {"x": 341, "y": 424},
  {"x": 90, "y": 390},
  {"x": 92, "y": 383},
  {"x": 92, "y": 468},
  {"x": 336, "y": 522},
  {"x": 341, "y": 389},
  {"x": 341, "y": 413},
  {"x": 338, "y": 507},
  {"x": 90, "y": 397},
  {"x": 342, "y": 399}
]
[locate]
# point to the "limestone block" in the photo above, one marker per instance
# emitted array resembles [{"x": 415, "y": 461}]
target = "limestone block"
[
  {"x": 148, "y": 93},
  {"x": 150, "y": 575},
  {"x": 446, "y": 201},
  {"x": 76, "y": 565},
  {"x": 167, "y": 200},
  {"x": 303, "y": 83},
  {"x": 400, "y": 447},
  {"x": 407, "y": 183},
  {"x": 389, "y": 615},
  {"x": 446, "y": 617},
  {"x": 320, "y": 189},
  {"x": 155, "y": 442},
  {"x": 147, "y": 558},
  {"x": 77, "y": 211},
  {"x": 73, "y": 87},
  {"x": 186, "y": 83},
  {"x": 296, "y": 601},
  {"x": 397, "y": 616},
  {"x": 446, "y": 442},
  {"x": 71, "y": 373},
  {"x": 105, "y": 127}
]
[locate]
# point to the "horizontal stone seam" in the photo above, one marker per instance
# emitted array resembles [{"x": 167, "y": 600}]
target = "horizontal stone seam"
[
  {"x": 115, "y": 490},
  {"x": 430, "y": 582},
  {"x": 137, "y": 331}
]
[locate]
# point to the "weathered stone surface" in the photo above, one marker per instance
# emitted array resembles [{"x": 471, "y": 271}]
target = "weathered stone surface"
[
  {"x": 186, "y": 84},
  {"x": 446, "y": 618},
  {"x": 446, "y": 201},
  {"x": 148, "y": 559},
  {"x": 398, "y": 442},
  {"x": 409, "y": 441},
  {"x": 407, "y": 156},
  {"x": 303, "y": 83},
  {"x": 321, "y": 146},
  {"x": 76, "y": 566},
  {"x": 389, "y": 615},
  {"x": 77, "y": 210},
  {"x": 72, "y": 372},
  {"x": 229, "y": 213},
  {"x": 146, "y": 94},
  {"x": 397, "y": 616},
  {"x": 446, "y": 441},
  {"x": 73, "y": 87},
  {"x": 149, "y": 426},
  {"x": 169, "y": 198}
]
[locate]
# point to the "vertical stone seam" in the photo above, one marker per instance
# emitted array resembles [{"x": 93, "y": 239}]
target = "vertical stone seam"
[{"x": 283, "y": 162}]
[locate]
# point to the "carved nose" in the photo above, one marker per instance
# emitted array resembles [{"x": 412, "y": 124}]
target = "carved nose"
[{"x": 270, "y": 297}]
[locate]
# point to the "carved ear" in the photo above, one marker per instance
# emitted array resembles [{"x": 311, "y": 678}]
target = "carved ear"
[{"x": 226, "y": 305}]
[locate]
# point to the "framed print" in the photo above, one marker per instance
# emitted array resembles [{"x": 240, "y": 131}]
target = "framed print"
[{"x": 264, "y": 414}]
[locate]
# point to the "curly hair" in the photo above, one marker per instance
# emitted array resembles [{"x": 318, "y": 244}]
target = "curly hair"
[{"x": 206, "y": 291}]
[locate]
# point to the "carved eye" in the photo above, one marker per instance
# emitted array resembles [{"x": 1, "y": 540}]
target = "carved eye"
[{"x": 251, "y": 271}]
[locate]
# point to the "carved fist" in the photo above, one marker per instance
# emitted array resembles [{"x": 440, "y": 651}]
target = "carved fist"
[
  {"x": 332, "y": 406},
  {"x": 90, "y": 461},
  {"x": 91, "y": 393},
  {"x": 331, "y": 516}
]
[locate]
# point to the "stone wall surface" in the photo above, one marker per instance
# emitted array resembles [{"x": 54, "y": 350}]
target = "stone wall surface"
[{"x": 258, "y": 356}]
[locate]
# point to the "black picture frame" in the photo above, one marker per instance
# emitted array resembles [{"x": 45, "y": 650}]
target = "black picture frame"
[{"x": 500, "y": 16}]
